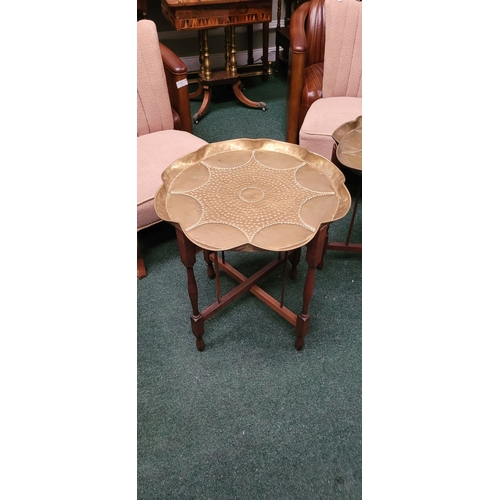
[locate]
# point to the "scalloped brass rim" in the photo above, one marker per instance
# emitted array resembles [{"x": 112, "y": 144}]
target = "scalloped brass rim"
[{"x": 318, "y": 162}]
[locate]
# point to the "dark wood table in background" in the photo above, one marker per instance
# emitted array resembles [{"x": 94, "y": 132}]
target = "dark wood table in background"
[{"x": 202, "y": 15}]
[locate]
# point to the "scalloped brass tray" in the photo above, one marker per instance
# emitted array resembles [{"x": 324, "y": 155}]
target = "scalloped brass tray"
[{"x": 251, "y": 194}]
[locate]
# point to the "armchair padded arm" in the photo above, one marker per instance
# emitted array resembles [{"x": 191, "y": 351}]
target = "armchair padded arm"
[
  {"x": 176, "y": 71},
  {"x": 298, "y": 38},
  {"x": 305, "y": 76}
]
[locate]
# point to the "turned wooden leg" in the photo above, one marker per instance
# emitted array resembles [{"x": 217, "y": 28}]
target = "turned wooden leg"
[
  {"x": 265, "y": 52},
  {"x": 325, "y": 248},
  {"x": 303, "y": 319},
  {"x": 210, "y": 267},
  {"x": 295, "y": 259},
  {"x": 187, "y": 251},
  {"x": 250, "y": 43},
  {"x": 314, "y": 254},
  {"x": 197, "y": 320},
  {"x": 232, "y": 51},
  {"x": 205, "y": 69}
]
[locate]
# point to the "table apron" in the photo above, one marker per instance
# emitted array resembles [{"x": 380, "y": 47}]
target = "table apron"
[{"x": 204, "y": 16}]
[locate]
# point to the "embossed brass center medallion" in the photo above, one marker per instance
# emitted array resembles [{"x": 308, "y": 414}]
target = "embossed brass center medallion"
[{"x": 251, "y": 194}]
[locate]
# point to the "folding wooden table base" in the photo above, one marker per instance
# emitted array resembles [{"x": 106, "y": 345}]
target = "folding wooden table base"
[{"x": 301, "y": 321}]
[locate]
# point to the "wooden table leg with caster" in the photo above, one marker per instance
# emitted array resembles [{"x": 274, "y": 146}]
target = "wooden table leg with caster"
[{"x": 208, "y": 78}]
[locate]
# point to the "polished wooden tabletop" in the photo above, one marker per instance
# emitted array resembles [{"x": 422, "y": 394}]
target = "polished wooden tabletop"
[{"x": 203, "y": 14}]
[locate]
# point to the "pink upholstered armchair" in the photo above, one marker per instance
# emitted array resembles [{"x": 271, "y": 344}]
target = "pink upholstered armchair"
[
  {"x": 324, "y": 86},
  {"x": 164, "y": 126}
]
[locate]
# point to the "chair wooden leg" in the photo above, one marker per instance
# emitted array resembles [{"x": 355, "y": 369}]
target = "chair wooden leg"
[
  {"x": 141, "y": 267},
  {"x": 142, "y": 7}
]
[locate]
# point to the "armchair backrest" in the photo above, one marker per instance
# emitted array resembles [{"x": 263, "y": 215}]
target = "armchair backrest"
[
  {"x": 154, "y": 111},
  {"x": 342, "y": 63}
]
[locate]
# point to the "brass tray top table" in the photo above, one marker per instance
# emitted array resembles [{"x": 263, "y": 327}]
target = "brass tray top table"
[
  {"x": 202, "y": 15},
  {"x": 349, "y": 152},
  {"x": 251, "y": 195}
]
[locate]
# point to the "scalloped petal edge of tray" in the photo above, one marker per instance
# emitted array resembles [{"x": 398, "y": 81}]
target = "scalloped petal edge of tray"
[{"x": 226, "y": 195}]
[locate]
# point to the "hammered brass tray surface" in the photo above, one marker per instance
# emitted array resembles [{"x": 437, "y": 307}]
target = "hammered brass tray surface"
[
  {"x": 349, "y": 143},
  {"x": 251, "y": 194}
]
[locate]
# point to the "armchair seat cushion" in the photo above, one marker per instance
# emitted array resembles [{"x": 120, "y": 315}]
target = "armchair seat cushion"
[
  {"x": 323, "y": 117},
  {"x": 155, "y": 152}
]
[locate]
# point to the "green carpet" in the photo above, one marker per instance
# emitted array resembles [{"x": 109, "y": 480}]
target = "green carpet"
[
  {"x": 227, "y": 118},
  {"x": 249, "y": 417}
]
